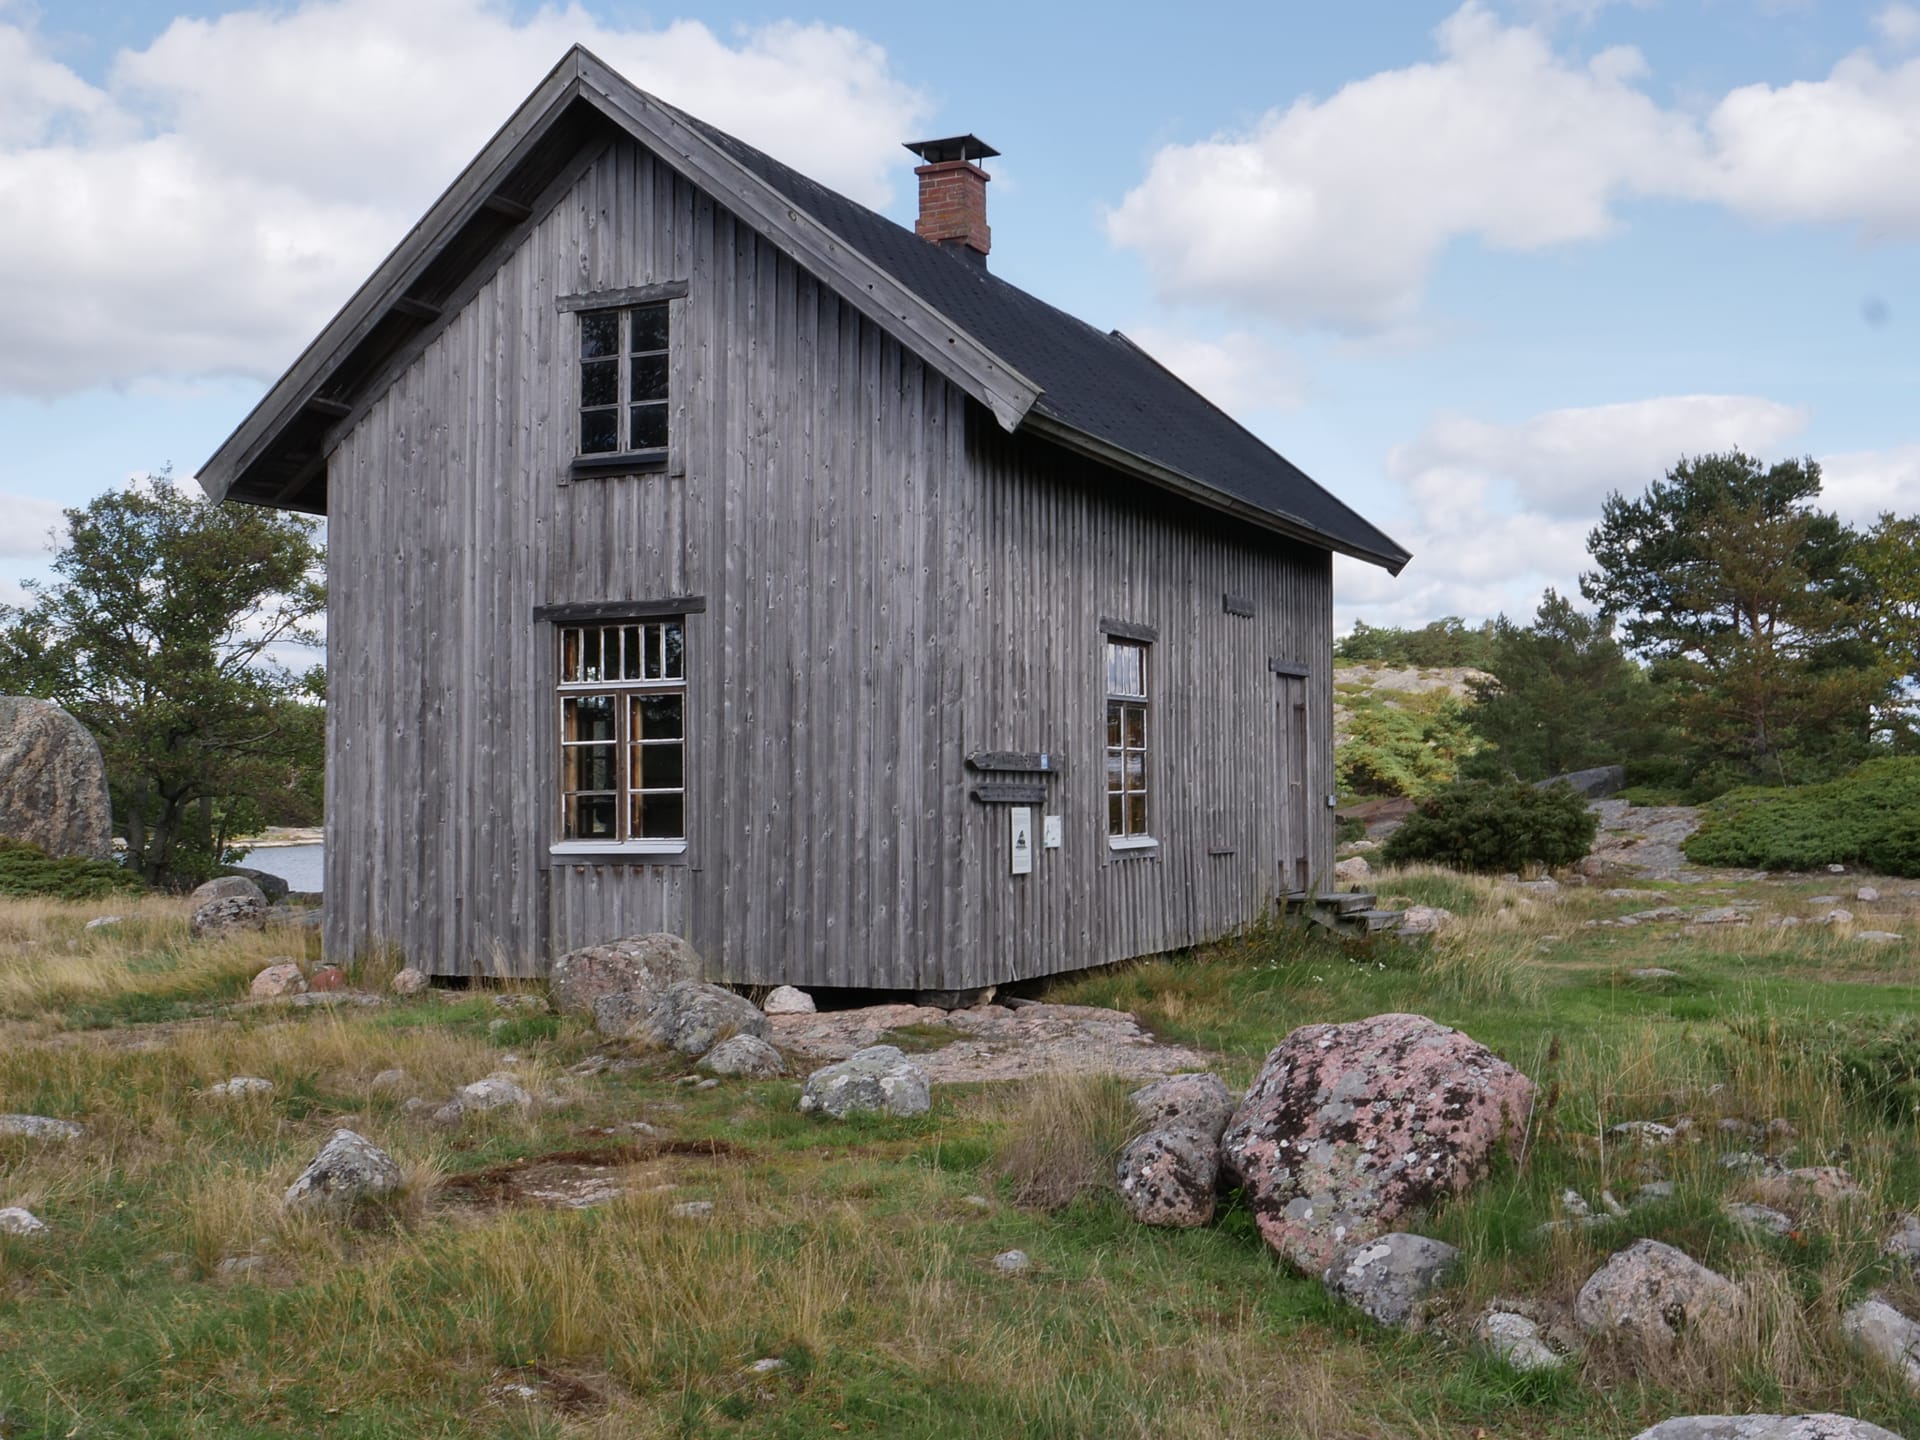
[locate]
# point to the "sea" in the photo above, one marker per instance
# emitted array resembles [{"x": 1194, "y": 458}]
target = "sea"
[{"x": 301, "y": 866}]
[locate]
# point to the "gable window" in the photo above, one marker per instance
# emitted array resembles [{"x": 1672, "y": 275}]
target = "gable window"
[
  {"x": 623, "y": 702},
  {"x": 1127, "y": 719},
  {"x": 623, "y": 381}
]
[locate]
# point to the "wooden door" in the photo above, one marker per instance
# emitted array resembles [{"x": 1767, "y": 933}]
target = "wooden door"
[{"x": 1295, "y": 812}]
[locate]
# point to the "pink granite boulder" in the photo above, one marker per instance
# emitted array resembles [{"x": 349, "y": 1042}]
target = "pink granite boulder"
[
  {"x": 1350, "y": 1126},
  {"x": 278, "y": 980}
]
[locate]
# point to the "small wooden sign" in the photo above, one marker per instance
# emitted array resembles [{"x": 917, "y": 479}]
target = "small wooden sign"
[
  {"x": 1010, "y": 792},
  {"x": 1237, "y": 604},
  {"x": 1032, "y": 762}
]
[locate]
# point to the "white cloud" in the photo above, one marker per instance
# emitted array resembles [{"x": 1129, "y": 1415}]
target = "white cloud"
[
  {"x": 1239, "y": 371},
  {"x": 1564, "y": 462},
  {"x": 1899, "y": 25},
  {"x": 1862, "y": 484},
  {"x": 228, "y": 186},
  {"x": 1332, "y": 212},
  {"x": 30, "y": 528}
]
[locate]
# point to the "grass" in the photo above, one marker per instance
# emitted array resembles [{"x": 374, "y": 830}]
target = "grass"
[{"x": 859, "y": 1253}]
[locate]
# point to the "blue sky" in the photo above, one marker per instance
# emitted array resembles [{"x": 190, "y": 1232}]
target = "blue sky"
[{"x": 1470, "y": 266}]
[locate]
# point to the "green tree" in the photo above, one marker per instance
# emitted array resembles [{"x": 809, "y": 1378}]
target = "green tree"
[
  {"x": 1890, "y": 563},
  {"x": 1746, "y": 598},
  {"x": 1444, "y": 643},
  {"x": 161, "y": 633},
  {"x": 1563, "y": 696}
]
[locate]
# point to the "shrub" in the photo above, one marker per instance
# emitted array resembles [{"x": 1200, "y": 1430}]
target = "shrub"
[
  {"x": 1869, "y": 818},
  {"x": 28, "y": 870},
  {"x": 1496, "y": 827},
  {"x": 1401, "y": 743}
]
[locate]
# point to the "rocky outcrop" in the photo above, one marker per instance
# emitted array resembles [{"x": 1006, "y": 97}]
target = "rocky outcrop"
[
  {"x": 1350, "y": 1126},
  {"x": 1655, "y": 1294},
  {"x": 1388, "y": 1277},
  {"x": 637, "y": 963},
  {"x": 1765, "y": 1427},
  {"x": 53, "y": 783},
  {"x": 349, "y": 1169},
  {"x": 691, "y": 1016},
  {"x": 877, "y": 1080}
]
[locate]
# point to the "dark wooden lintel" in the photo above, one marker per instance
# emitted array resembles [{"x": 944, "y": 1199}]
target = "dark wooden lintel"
[
  {"x": 620, "y": 609},
  {"x": 1289, "y": 667},
  {"x": 630, "y": 295},
  {"x": 1127, "y": 630}
]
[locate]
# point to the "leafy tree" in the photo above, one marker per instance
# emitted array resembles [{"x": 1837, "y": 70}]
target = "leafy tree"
[
  {"x": 1746, "y": 598},
  {"x": 1890, "y": 564},
  {"x": 1563, "y": 696},
  {"x": 1446, "y": 642},
  {"x": 162, "y": 634}
]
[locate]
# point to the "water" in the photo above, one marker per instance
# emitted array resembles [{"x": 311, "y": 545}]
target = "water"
[{"x": 301, "y": 866}]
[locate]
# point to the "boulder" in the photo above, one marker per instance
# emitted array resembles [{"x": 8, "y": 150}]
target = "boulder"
[
  {"x": 40, "y": 1127},
  {"x": 1352, "y": 871},
  {"x": 1866, "y": 894},
  {"x": 1595, "y": 784},
  {"x": 15, "y": 1220},
  {"x": 296, "y": 917},
  {"x": 1169, "y": 1177},
  {"x": 53, "y": 783},
  {"x": 1759, "y": 1217},
  {"x": 225, "y": 887},
  {"x": 1517, "y": 1340},
  {"x": 269, "y": 884},
  {"x": 616, "y": 1013},
  {"x": 409, "y": 982},
  {"x": 1654, "y": 1293},
  {"x": 1876, "y": 1329},
  {"x": 1350, "y": 1126},
  {"x": 744, "y": 1056},
  {"x": 1196, "y": 1104},
  {"x": 786, "y": 1000},
  {"x": 1390, "y": 1275},
  {"x": 349, "y": 1168},
  {"x": 1765, "y": 1427},
  {"x": 692, "y": 1016},
  {"x": 1424, "y": 920},
  {"x": 639, "y": 962},
  {"x": 228, "y": 914},
  {"x": 279, "y": 979},
  {"x": 496, "y": 1092},
  {"x": 878, "y": 1079}
]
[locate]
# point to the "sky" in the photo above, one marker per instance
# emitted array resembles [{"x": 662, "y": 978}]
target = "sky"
[{"x": 1472, "y": 267}]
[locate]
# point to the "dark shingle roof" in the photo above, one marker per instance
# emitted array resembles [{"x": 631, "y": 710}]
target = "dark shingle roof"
[{"x": 1097, "y": 383}]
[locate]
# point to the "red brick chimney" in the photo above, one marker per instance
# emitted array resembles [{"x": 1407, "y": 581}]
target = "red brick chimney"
[{"x": 953, "y": 194}]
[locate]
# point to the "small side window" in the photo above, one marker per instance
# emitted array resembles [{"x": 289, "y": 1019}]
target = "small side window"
[
  {"x": 1129, "y": 815},
  {"x": 624, "y": 380}
]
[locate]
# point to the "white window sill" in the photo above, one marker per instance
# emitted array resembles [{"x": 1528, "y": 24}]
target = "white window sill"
[
  {"x": 1132, "y": 842},
  {"x": 619, "y": 847}
]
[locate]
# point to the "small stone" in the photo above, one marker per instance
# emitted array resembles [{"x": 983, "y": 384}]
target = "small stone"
[
  {"x": 496, "y": 1092},
  {"x": 1388, "y": 1277},
  {"x": 16, "y": 1220},
  {"x": 744, "y": 1056},
  {"x": 1424, "y": 920},
  {"x": 280, "y": 978},
  {"x": 1656, "y": 1293},
  {"x": 978, "y": 1202},
  {"x": 1824, "y": 900},
  {"x": 1759, "y": 1217},
  {"x": 786, "y": 1000},
  {"x": 236, "y": 1267},
  {"x": 1879, "y": 937},
  {"x": 1642, "y": 1132},
  {"x": 1836, "y": 869},
  {"x": 1575, "y": 1204},
  {"x": 1866, "y": 894},
  {"x": 1654, "y": 1192},
  {"x": 1747, "y": 1162},
  {"x": 40, "y": 1127},
  {"x": 1723, "y": 915},
  {"x": 1877, "y": 1329},
  {"x": 348, "y": 1169},
  {"x": 1837, "y": 917},
  {"x": 1516, "y": 1340},
  {"x": 1824, "y": 1183},
  {"x": 878, "y": 1079},
  {"x": 1654, "y": 972},
  {"x": 1903, "y": 1243},
  {"x": 410, "y": 982},
  {"x": 692, "y": 1210},
  {"x": 241, "y": 1085},
  {"x": 1352, "y": 871},
  {"x": 771, "y": 1365},
  {"x": 327, "y": 977},
  {"x": 1765, "y": 1427},
  {"x": 395, "y": 1079},
  {"x": 1012, "y": 1262},
  {"x": 102, "y": 922},
  {"x": 708, "y": 1084}
]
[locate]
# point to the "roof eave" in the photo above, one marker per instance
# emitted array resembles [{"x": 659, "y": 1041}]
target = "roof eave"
[{"x": 1193, "y": 488}]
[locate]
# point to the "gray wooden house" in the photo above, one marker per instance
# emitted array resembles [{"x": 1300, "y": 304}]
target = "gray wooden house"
[{"x": 709, "y": 553}]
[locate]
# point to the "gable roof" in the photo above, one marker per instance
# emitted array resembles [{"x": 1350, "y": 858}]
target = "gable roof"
[{"x": 1035, "y": 367}]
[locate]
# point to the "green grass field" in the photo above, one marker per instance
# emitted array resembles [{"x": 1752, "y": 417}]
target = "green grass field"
[{"x": 860, "y": 1254}]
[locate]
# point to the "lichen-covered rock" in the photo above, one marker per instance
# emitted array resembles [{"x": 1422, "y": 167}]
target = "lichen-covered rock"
[
  {"x": 1389, "y": 1276},
  {"x": 1875, "y": 1328},
  {"x": 691, "y": 1016},
  {"x": 279, "y": 979},
  {"x": 349, "y": 1168},
  {"x": 409, "y": 982},
  {"x": 745, "y": 1057},
  {"x": 639, "y": 962},
  {"x": 241, "y": 1086},
  {"x": 40, "y": 1127},
  {"x": 1654, "y": 1293},
  {"x": 225, "y": 887},
  {"x": 227, "y": 914},
  {"x": 496, "y": 1092},
  {"x": 1424, "y": 920},
  {"x": 786, "y": 1000},
  {"x": 53, "y": 783},
  {"x": 1350, "y": 1126},
  {"x": 1197, "y": 1104},
  {"x": 1169, "y": 1177},
  {"x": 16, "y": 1220},
  {"x": 1765, "y": 1427},
  {"x": 877, "y": 1080},
  {"x": 1517, "y": 1340}
]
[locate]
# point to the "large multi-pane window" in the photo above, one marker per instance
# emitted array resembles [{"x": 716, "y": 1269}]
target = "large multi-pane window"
[
  {"x": 623, "y": 380},
  {"x": 623, "y": 703},
  {"x": 1127, "y": 715}
]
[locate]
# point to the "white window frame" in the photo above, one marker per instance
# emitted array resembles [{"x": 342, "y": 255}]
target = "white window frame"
[
  {"x": 1124, "y": 700},
  {"x": 625, "y": 690}
]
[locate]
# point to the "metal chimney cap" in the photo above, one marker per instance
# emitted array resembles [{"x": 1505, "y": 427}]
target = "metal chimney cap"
[{"x": 954, "y": 147}]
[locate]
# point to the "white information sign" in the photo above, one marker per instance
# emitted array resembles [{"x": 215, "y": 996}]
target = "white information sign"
[
  {"x": 1051, "y": 831},
  {"x": 1022, "y": 824}
]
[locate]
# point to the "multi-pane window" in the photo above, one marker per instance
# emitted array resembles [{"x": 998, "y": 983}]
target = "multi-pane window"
[
  {"x": 1126, "y": 739},
  {"x": 623, "y": 380},
  {"x": 623, "y": 702}
]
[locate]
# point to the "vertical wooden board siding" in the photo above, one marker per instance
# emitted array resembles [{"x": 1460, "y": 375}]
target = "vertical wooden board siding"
[{"x": 890, "y": 582}]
